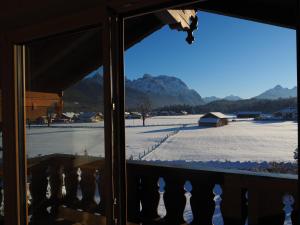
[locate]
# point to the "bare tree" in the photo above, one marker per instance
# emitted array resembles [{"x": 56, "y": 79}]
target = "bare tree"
[
  {"x": 296, "y": 154},
  {"x": 145, "y": 108}
]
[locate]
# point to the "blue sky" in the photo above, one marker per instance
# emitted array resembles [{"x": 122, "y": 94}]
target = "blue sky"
[{"x": 229, "y": 56}]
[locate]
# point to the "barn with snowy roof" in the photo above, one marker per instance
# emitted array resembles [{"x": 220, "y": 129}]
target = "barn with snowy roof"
[{"x": 214, "y": 119}]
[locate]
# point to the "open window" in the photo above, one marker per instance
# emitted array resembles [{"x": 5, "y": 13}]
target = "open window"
[
  {"x": 196, "y": 158},
  {"x": 65, "y": 128}
]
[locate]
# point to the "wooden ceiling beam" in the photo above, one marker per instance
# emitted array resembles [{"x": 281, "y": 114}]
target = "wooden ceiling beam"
[
  {"x": 177, "y": 19},
  {"x": 85, "y": 19}
]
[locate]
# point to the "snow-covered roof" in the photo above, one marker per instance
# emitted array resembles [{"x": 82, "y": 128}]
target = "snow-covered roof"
[
  {"x": 209, "y": 120},
  {"x": 69, "y": 114},
  {"x": 88, "y": 114},
  {"x": 218, "y": 114},
  {"x": 136, "y": 113}
]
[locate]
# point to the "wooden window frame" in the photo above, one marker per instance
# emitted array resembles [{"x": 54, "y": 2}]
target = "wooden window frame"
[{"x": 113, "y": 51}]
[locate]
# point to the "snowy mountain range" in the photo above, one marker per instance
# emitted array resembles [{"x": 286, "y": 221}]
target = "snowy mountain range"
[
  {"x": 272, "y": 94},
  {"x": 159, "y": 91},
  {"x": 214, "y": 98},
  {"x": 278, "y": 92},
  {"x": 165, "y": 90}
]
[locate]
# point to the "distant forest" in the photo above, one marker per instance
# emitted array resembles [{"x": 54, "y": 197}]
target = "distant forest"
[{"x": 225, "y": 106}]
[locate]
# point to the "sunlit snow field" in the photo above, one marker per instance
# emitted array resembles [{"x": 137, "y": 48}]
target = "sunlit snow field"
[{"x": 239, "y": 141}]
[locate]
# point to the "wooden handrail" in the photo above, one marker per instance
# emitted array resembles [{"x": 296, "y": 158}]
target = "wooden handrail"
[
  {"x": 256, "y": 196},
  {"x": 265, "y": 192}
]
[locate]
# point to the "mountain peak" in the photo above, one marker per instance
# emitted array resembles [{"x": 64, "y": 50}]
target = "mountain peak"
[
  {"x": 278, "y": 87},
  {"x": 165, "y": 90},
  {"x": 278, "y": 92},
  {"x": 232, "y": 98}
]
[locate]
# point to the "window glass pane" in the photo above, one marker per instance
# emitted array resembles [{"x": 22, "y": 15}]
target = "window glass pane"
[
  {"x": 65, "y": 129},
  {"x": 211, "y": 120}
]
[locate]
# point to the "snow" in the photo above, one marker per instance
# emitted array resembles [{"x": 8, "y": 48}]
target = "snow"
[
  {"x": 140, "y": 139},
  {"x": 239, "y": 141},
  {"x": 66, "y": 139},
  {"x": 159, "y": 85},
  {"x": 240, "y": 144},
  {"x": 76, "y": 138}
]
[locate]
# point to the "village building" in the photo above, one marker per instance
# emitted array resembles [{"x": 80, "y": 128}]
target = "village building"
[
  {"x": 249, "y": 114},
  {"x": 214, "y": 119},
  {"x": 289, "y": 113},
  {"x": 127, "y": 115},
  {"x": 90, "y": 117},
  {"x": 40, "y": 105},
  {"x": 183, "y": 112},
  {"x": 134, "y": 115},
  {"x": 68, "y": 117}
]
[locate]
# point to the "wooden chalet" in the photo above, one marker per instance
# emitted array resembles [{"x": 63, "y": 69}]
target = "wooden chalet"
[
  {"x": 213, "y": 119},
  {"x": 48, "y": 46},
  {"x": 41, "y": 104}
]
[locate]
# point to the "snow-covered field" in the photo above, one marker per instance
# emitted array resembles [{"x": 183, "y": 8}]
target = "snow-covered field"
[{"x": 240, "y": 141}]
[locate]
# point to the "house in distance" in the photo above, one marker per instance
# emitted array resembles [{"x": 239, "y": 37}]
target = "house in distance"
[
  {"x": 90, "y": 117},
  {"x": 213, "y": 119}
]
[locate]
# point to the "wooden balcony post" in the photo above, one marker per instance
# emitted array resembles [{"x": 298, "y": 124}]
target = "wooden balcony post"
[
  {"x": 12, "y": 68},
  {"x": 113, "y": 49},
  {"x": 108, "y": 110},
  {"x": 119, "y": 155}
]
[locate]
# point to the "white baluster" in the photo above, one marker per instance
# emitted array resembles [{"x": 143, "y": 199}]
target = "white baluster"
[
  {"x": 63, "y": 186},
  {"x": 79, "y": 191},
  {"x": 246, "y": 195},
  {"x": 141, "y": 206},
  {"x": 48, "y": 190},
  {"x": 188, "y": 216},
  {"x": 49, "y": 209},
  {"x": 2, "y": 202},
  {"x": 48, "y": 193},
  {"x": 288, "y": 202},
  {"x": 97, "y": 198},
  {"x": 29, "y": 197},
  {"x": 140, "y": 187},
  {"x": 217, "y": 218},
  {"x": 161, "y": 208},
  {"x": 28, "y": 193}
]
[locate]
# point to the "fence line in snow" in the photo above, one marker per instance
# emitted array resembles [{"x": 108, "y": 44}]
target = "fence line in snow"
[{"x": 156, "y": 145}]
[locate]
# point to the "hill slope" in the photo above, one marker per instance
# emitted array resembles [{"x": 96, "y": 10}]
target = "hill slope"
[{"x": 87, "y": 94}]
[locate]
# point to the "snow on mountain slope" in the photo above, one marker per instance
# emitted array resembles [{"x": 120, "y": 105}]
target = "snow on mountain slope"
[
  {"x": 159, "y": 85},
  {"x": 165, "y": 90},
  {"x": 232, "y": 98},
  {"x": 214, "y": 98},
  {"x": 158, "y": 90},
  {"x": 278, "y": 92}
]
